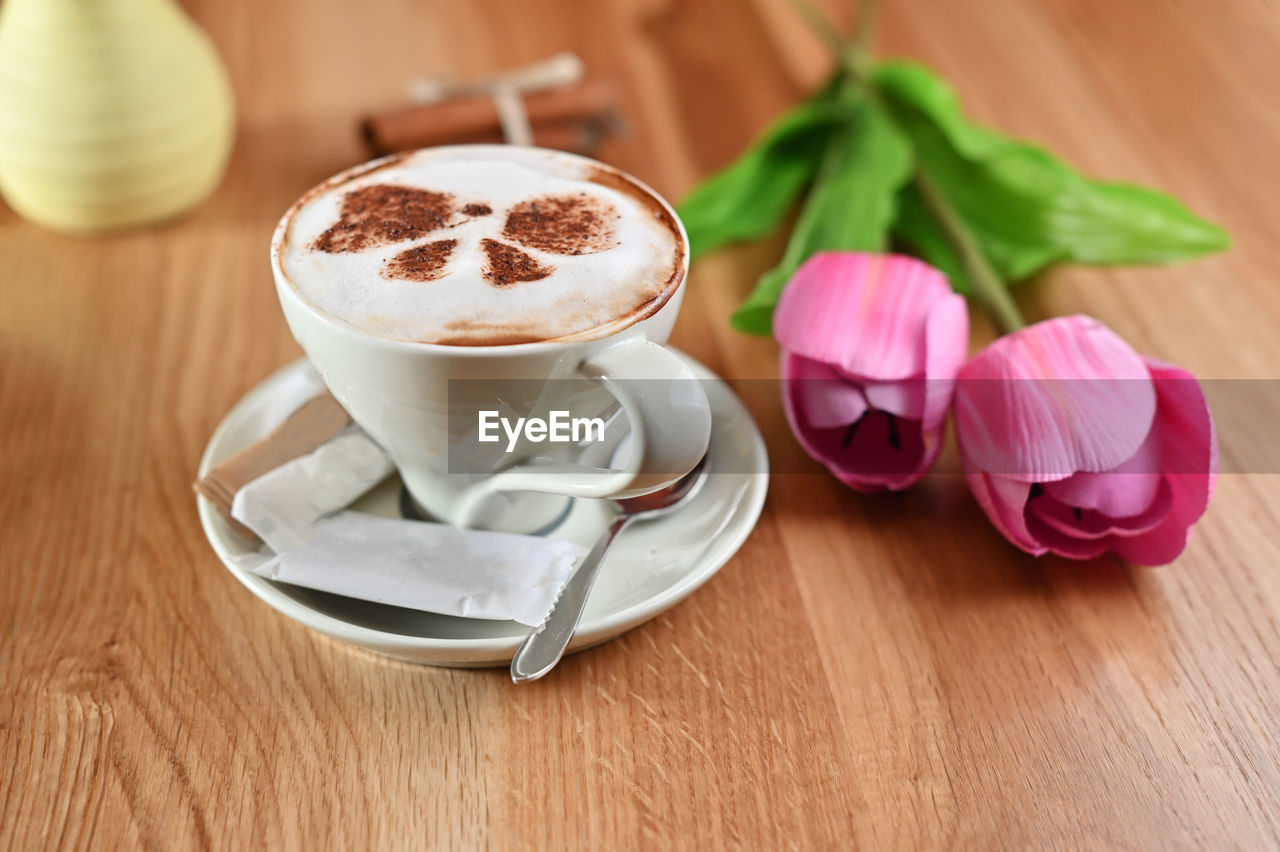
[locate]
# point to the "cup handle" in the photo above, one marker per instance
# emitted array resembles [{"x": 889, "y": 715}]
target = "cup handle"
[{"x": 670, "y": 419}]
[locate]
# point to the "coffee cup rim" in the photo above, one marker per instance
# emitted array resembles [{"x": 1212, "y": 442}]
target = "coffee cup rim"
[{"x": 600, "y": 332}]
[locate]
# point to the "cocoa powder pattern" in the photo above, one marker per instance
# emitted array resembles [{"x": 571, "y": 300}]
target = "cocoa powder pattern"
[
  {"x": 562, "y": 224},
  {"x": 421, "y": 263},
  {"x": 385, "y": 213},
  {"x": 509, "y": 265},
  {"x": 371, "y": 216}
]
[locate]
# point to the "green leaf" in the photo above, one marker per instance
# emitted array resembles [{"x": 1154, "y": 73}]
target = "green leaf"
[
  {"x": 849, "y": 209},
  {"x": 1026, "y": 208},
  {"x": 747, "y": 199}
]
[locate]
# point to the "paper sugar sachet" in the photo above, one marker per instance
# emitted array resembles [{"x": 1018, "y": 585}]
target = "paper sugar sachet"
[
  {"x": 414, "y": 564},
  {"x": 426, "y": 566}
]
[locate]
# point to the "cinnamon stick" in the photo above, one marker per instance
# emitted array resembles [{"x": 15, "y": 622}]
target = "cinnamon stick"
[
  {"x": 582, "y": 137},
  {"x": 571, "y": 118}
]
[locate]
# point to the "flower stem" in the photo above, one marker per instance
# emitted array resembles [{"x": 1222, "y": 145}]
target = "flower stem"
[
  {"x": 987, "y": 286},
  {"x": 852, "y": 53},
  {"x": 853, "y": 59},
  {"x": 864, "y": 28},
  {"x": 820, "y": 25}
]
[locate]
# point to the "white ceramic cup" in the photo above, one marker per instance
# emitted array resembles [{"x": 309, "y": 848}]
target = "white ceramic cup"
[{"x": 399, "y": 392}]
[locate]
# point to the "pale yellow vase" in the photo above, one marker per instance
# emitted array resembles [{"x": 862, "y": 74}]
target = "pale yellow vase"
[{"x": 113, "y": 113}]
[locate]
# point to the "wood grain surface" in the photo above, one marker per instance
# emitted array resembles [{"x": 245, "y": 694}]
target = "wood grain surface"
[{"x": 869, "y": 672}]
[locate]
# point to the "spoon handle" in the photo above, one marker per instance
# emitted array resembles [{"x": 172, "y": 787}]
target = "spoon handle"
[{"x": 544, "y": 647}]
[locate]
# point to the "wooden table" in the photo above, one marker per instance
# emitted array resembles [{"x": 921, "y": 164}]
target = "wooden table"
[{"x": 875, "y": 672}]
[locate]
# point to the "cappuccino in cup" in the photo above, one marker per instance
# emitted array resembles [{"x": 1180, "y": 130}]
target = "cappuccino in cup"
[
  {"x": 425, "y": 287},
  {"x": 483, "y": 246}
]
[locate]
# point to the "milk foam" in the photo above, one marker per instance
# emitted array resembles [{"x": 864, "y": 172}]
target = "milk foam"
[{"x": 498, "y": 282}]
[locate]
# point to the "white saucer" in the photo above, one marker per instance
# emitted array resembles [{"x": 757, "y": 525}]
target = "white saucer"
[{"x": 650, "y": 568}]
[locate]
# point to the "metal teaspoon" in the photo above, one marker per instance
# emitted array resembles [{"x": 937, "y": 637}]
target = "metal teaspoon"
[{"x": 544, "y": 647}]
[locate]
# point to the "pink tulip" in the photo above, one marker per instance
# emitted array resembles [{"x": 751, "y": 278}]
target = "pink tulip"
[
  {"x": 1076, "y": 445},
  {"x": 871, "y": 346}
]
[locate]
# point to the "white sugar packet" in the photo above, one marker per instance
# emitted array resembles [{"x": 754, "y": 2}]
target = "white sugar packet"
[
  {"x": 283, "y": 505},
  {"x": 414, "y": 564}
]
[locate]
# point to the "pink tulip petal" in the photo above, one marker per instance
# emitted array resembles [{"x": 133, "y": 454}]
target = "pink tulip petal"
[
  {"x": 891, "y": 328},
  {"x": 946, "y": 347},
  {"x": 903, "y": 399},
  {"x": 1056, "y": 398},
  {"x": 932, "y": 441},
  {"x": 833, "y": 405},
  {"x": 883, "y": 445},
  {"x": 1157, "y": 547},
  {"x": 817, "y": 442},
  {"x": 826, "y": 397},
  {"x": 865, "y": 313},
  {"x": 1054, "y": 541},
  {"x": 1190, "y": 457},
  {"x": 1060, "y": 517},
  {"x": 864, "y": 457},
  {"x": 1004, "y": 501},
  {"x": 1095, "y": 525},
  {"x": 1123, "y": 492}
]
